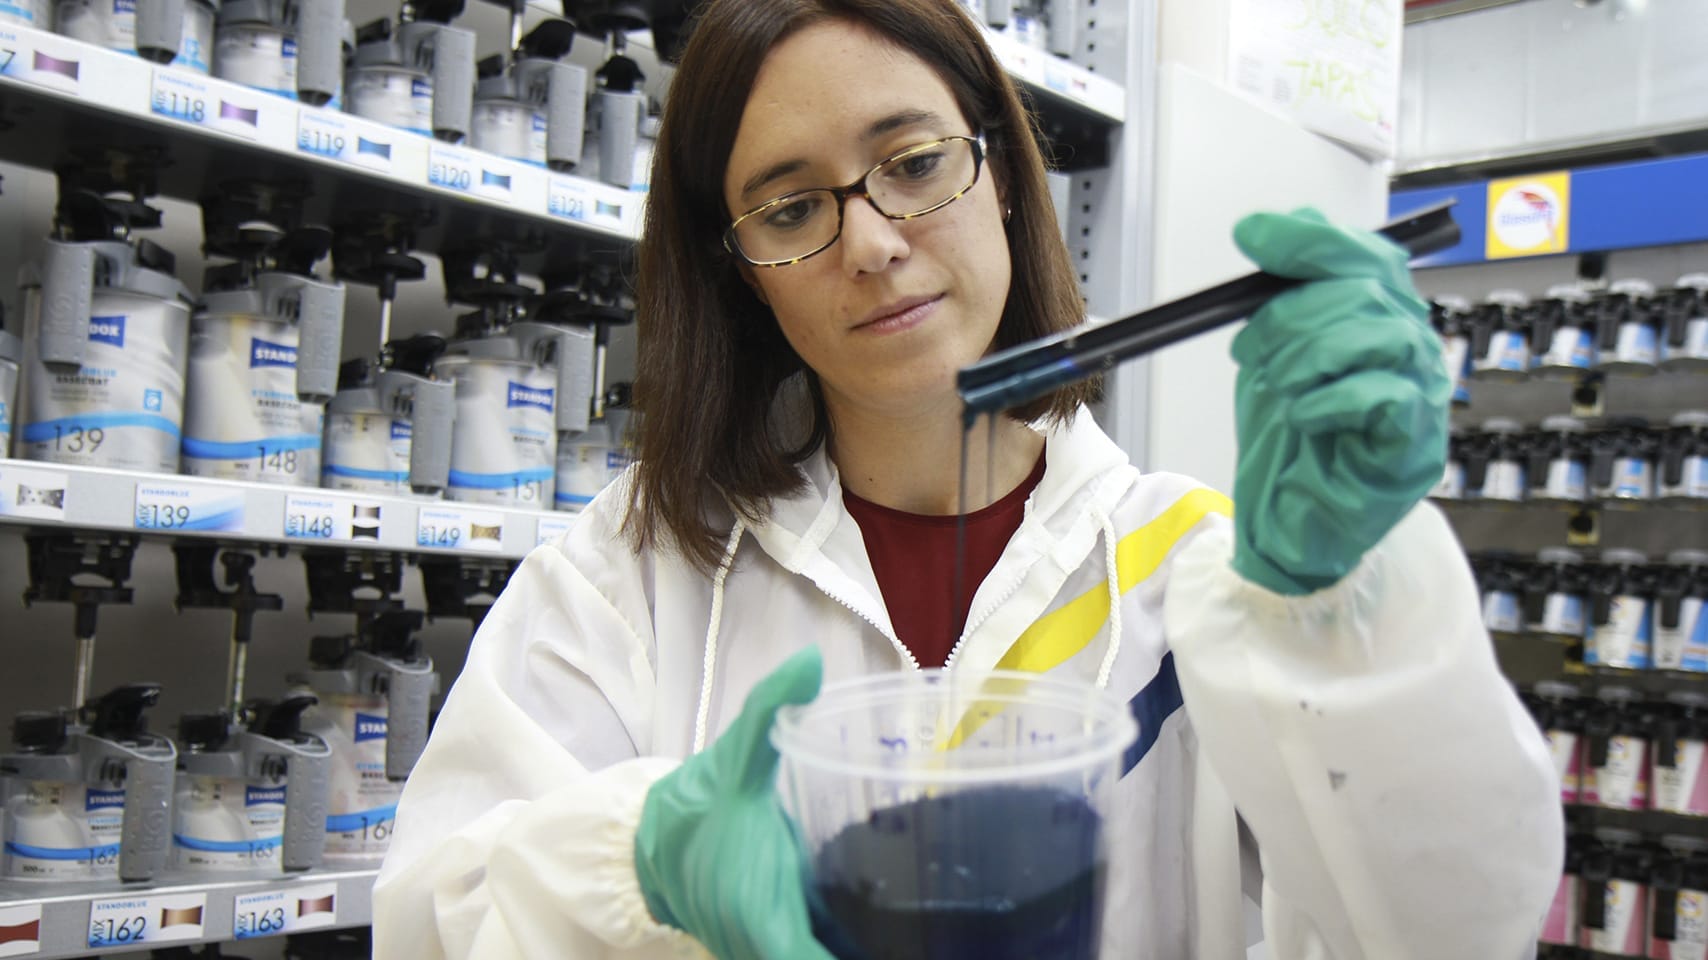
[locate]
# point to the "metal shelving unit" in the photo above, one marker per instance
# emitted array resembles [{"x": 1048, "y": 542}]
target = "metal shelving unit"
[
  {"x": 56, "y": 93},
  {"x": 50, "y": 921},
  {"x": 65, "y": 92}
]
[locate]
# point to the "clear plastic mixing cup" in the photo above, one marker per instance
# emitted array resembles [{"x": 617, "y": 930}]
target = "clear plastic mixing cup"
[{"x": 956, "y": 815}]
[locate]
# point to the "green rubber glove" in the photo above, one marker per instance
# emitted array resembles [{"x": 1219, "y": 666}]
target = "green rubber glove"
[
  {"x": 1341, "y": 402},
  {"x": 715, "y": 854}
]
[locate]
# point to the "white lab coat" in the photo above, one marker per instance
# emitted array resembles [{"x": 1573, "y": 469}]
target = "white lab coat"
[{"x": 1403, "y": 802}]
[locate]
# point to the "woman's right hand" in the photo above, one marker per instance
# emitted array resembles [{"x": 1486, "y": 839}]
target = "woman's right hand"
[{"x": 715, "y": 854}]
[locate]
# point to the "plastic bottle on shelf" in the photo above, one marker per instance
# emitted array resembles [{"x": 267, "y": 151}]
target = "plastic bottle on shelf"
[
  {"x": 1679, "y": 887},
  {"x": 1622, "y": 462},
  {"x": 1628, "y": 329},
  {"x": 531, "y": 105},
  {"x": 35, "y": 14},
  {"x": 590, "y": 461},
  {"x": 417, "y": 74},
  {"x": 123, "y": 25},
  {"x": 645, "y": 143},
  {"x": 106, "y": 328},
  {"x": 1500, "y": 576},
  {"x": 1026, "y": 24},
  {"x": 1559, "y": 461},
  {"x": 1681, "y": 633},
  {"x": 1564, "y": 333},
  {"x": 1615, "y": 914},
  {"x": 1682, "y": 474},
  {"x": 1684, "y": 345},
  {"x": 614, "y": 119},
  {"x": 1451, "y": 317},
  {"x": 1680, "y": 736},
  {"x": 509, "y": 372},
  {"x": 292, "y": 48},
  {"x": 1620, "y": 630},
  {"x": 1063, "y": 18},
  {"x": 251, "y": 797},
  {"x": 1560, "y": 714},
  {"x": 373, "y": 692},
  {"x": 371, "y": 423},
  {"x": 1496, "y": 462},
  {"x": 1617, "y": 731},
  {"x": 1554, "y": 594},
  {"x": 83, "y": 800},
  {"x": 1500, "y": 337},
  {"x": 1560, "y": 927},
  {"x": 263, "y": 344},
  {"x": 11, "y": 352},
  {"x": 1452, "y": 485}
]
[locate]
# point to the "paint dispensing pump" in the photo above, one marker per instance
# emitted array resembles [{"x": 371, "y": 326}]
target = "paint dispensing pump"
[
  {"x": 294, "y": 48},
  {"x": 374, "y": 691},
  {"x": 252, "y": 791},
  {"x": 264, "y": 345},
  {"x": 89, "y": 799},
  {"x": 384, "y": 658},
  {"x": 84, "y": 573},
  {"x": 179, "y": 32},
  {"x": 252, "y": 787},
  {"x": 509, "y": 373},
  {"x": 371, "y": 425},
  {"x": 530, "y": 105},
  {"x": 618, "y": 105},
  {"x": 409, "y": 414},
  {"x": 589, "y": 299},
  {"x": 106, "y": 324},
  {"x": 417, "y": 74}
]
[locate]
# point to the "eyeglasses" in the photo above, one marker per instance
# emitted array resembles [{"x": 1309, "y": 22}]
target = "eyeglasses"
[{"x": 923, "y": 178}]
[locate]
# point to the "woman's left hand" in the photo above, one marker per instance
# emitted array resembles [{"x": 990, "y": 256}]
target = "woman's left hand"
[{"x": 1341, "y": 402}]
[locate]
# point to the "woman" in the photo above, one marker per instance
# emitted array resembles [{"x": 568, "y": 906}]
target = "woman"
[{"x": 1316, "y": 662}]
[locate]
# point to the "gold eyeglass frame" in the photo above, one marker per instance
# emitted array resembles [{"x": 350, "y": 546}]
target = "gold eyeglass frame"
[{"x": 858, "y": 189}]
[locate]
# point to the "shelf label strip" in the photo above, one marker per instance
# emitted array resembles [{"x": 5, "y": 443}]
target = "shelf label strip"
[
  {"x": 163, "y": 918},
  {"x": 289, "y": 909},
  {"x": 182, "y": 507},
  {"x": 21, "y": 930},
  {"x": 459, "y": 528},
  {"x": 331, "y": 519},
  {"x": 35, "y": 494}
]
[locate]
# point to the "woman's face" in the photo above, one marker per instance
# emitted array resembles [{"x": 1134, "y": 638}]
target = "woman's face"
[{"x": 889, "y": 312}]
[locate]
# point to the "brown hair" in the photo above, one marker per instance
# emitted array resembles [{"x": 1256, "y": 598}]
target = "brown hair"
[{"x": 711, "y": 357}]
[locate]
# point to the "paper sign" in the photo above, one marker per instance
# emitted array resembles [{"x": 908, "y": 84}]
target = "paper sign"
[{"x": 1332, "y": 65}]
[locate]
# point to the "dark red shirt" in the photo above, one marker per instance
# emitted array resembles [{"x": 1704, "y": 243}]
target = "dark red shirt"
[{"x": 913, "y": 556}]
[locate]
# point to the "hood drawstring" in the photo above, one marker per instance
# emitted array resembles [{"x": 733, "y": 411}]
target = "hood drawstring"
[
  {"x": 711, "y": 662},
  {"x": 1112, "y": 573}
]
